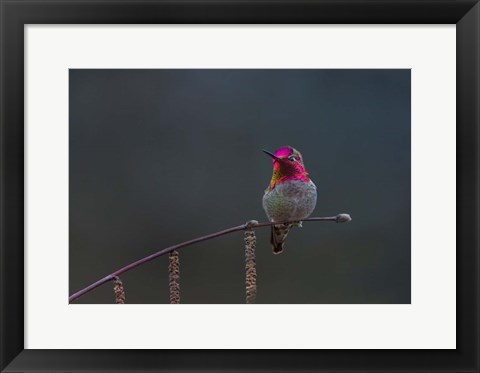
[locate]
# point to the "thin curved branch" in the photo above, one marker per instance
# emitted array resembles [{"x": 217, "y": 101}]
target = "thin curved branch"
[{"x": 340, "y": 218}]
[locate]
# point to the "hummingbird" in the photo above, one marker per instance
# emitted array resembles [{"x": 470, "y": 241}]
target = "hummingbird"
[{"x": 290, "y": 196}]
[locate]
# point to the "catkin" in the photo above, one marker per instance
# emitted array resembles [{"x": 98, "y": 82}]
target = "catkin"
[
  {"x": 174, "y": 277},
  {"x": 250, "y": 266},
  {"x": 119, "y": 290}
]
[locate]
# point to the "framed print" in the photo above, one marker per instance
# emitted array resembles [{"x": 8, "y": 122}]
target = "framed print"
[{"x": 156, "y": 153}]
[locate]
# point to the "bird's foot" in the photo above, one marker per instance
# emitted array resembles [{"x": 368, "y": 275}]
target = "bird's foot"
[{"x": 297, "y": 224}]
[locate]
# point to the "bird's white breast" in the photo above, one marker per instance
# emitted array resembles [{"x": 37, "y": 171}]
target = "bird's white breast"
[{"x": 290, "y": 200}]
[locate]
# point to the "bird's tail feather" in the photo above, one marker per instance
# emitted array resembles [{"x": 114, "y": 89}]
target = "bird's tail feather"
[{"x": 278, "y": 235}]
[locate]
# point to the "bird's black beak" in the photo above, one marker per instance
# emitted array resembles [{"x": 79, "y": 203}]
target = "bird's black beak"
[{"x": 271, "y": 155}]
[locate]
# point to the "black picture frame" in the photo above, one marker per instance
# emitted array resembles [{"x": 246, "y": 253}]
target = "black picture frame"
[{"x": 17, "y": 13}]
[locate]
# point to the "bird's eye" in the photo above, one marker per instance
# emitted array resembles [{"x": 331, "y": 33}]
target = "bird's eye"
[{"x": 292, "y": 158}]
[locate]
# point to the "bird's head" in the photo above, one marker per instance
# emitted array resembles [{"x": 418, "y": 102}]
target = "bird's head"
[{"x": 287, "y": 165}]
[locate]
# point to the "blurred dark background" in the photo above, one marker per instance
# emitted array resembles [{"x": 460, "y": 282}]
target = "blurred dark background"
[{"x": 158, "y": 157}]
